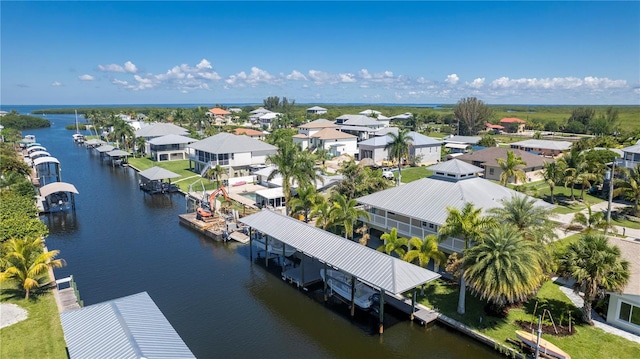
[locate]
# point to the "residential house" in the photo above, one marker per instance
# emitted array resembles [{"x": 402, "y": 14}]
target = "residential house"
[
  {"x": 254, "y": 115},
  {"x": 237, "y": 153},
  {"x": 543, "y": 147},
  {"x": 305, "y": 131},
  {"x": 422, "y": 149},
  {"x": 624, "y": 307},
  {"x": 316, "y": 110},
  {"x": 335, "y": 142},
  {"x": 370, "y": 113},
  {"x": 402, "y": 116},
  {"x": 631, "y": 156},
  {"x": 267, "y": 119},
  {"x": 495, "y": 129},
  {"x": 258, "y": 135},
  {"x": 158, "y": 130},
  {"x": 220, "y": 115},
  {"x": 513, "y": 124},
  {"x": 170, "y": 147},
  {"x": 487, "y": 159},
  {"x": 419, "y": 208},
  {"x": 460, "y": 144},
  {"x": 359, "y": 125},
  {"x": 322, "y": 185}
]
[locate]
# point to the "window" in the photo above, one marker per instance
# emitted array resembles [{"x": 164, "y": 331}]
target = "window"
[
  {"x": 490, "y": 171},
  {"x": 629, "y": 313}
]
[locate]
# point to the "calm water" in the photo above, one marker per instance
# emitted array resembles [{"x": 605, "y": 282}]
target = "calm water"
[{"x": 121, "y": 242}]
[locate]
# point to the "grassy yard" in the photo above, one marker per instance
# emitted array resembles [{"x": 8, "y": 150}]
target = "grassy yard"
[
  {"x": 39, "y": 336},
  {"x": 180, "y": 167},
  {"x": 411, "y": 174},
  {"x": 586, "y": 342}
]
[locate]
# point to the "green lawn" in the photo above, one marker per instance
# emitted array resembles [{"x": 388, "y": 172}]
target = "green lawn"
[
  {"x": 586, "y": 342},
  {"x": 411, "y": 174},
  {"x": 625, "y": 223},
  {"x": 180, "y": 167},
  {"x": 38, "y": 336}
]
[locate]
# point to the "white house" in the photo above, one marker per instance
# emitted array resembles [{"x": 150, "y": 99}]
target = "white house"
[
  {"x": 170, "y": 147},
  {"x": 316, "y": 110},
  {"x": 359, "y": 125},
  {"x": 303, "y": 138},
  {"x": 425, "y": 150},
  {"x": 419, "y": 208},
  {"x": 460, "y": 144},
  {"x": 237, "y": 153},
  {"x": 543, "y": 147},
  {"x": 158, "y": 130},
  {"x": 624, "y": 308},
  {"x": 266, "y": 119},
  {"x": 335, "y": 142},
  {"x": 631, "y": 155}
]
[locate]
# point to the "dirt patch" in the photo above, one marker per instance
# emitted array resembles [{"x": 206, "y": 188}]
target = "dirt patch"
[
  {"x": 546, "y": 328},
  {"x": 11, "y": 314}
]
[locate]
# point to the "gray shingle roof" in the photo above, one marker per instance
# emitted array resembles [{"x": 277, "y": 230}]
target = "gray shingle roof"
[
  {"x": 427, "y": 199},
  {"x": 418, "y": 140},
  {"x": 546, "y": 144},
  {"x": 376, "y": 268},
  {"x": 157, "y": 173},
  {"x": 128, "y": 327},
  {"x": 161, "y": 129},
  {"x": 633, "y": 149},
  {"x": 489, "y": 157},
  {"x": 358, "y": 120},
  {"x": 171, "y": 139},
  {"x": 229, "y": 143}
]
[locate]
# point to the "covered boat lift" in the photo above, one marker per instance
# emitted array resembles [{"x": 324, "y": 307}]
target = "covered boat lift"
[
  {"x": 35, "y": 149},
  {"x": 94, "y": 142},
  {"x": 47, "y": 169},
  {"x": 57, "y": 197},
  {"x": 152, "y": 180},
  {"x": 376, "y": 269},
  {"x": 102, "y": 150},
  {"x": 116, "y": 157},
  {"x": 37, "y": 154}
]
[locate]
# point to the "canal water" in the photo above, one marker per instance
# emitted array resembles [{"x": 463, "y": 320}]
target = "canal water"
[{"x": 121, "y": 241}]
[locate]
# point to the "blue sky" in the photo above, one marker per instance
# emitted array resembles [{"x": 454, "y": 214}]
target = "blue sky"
[{"x": 319, "y": 52}]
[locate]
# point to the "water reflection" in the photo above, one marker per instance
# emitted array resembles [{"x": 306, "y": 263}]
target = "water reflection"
[{"x": 61, "y": 223}]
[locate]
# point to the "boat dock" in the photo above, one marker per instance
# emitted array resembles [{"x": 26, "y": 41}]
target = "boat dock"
[
  {"x": 67, "y": 298},
  {"x": 215, "y": 228},
  {"x": 423, "y": 315},
  {"x": 304, "y": 274}
]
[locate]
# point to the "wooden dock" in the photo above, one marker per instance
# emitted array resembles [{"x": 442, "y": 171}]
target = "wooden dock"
[
  {"x": 211, "y": 229},
  {"x": 67, "y": 298},
  {"x": 422, "y": 314}
]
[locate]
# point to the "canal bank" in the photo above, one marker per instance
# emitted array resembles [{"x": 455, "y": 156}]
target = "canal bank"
[{"x": 120, "y": 242}]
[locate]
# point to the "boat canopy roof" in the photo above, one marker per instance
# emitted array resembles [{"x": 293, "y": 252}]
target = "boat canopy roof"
[
  {"x": 157, "y": 173},
  {"x": 118, "y": 153},
  {"x": 41, "y": 160},
  {"x": 105, "y": 148},
  {"x": 39, "y": 153},
  {"x": 54, "y": 187},
  {"x": 36, "y": 148},
  {"x": 375, "y": 268},
  {"x": 33, "y": 144}
]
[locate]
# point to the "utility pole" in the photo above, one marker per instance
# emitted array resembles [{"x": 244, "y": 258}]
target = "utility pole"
[
  {"x": 537, "y": 354},
  {"x": 611, "y": 177}
]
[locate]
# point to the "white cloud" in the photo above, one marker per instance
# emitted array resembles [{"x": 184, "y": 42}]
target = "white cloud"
[
  {"x": 477, "y": 83},
  {"x": 56, "y": 84},
  {"x": 128, "y": 67},
  {"x": 120, "y": 82},
  {"x": 347, "y": 78},
  {"x": 204, "y": 64},
  {"x": 86, "y": 77},
  {"x": 555, "y": 83},
  {"x": 296, "y": 75},
  {"x": 258, "y": 75},
  {"x": 320, "y": 77},
  {"x": 452, "y": 79},
  {"x": 364, "y": 74}
]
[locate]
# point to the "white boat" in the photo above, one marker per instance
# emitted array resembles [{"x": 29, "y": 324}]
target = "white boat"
[
  {"x": 340, "y": 284},
  {"x": 78, "y": 137},
  {"x": 545, "y": 346},
  {"x": 274, "y": 247}
]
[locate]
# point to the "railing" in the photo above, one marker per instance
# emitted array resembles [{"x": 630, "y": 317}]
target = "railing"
[{"x": 72, "y": 284}]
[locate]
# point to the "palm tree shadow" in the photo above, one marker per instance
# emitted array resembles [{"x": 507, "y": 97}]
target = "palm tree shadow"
[
  {"x": 559, "y": 310},
  {"x": 19, "y": 293}
]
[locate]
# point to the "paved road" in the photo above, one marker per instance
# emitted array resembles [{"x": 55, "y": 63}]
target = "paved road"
[{"x": 565, "y": 219}]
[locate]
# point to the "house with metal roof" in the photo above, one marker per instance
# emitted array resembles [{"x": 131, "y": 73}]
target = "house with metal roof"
[
  {"x": 161, "y": 129},
  {"x": 419, "y": 208},
  {"x": 170, "y": 147},
  {"x": 487, "y": 159},
  {"x": 360, "y": 125},
  {"x": 131, "y": 327},
  {"x": 316, "y": 110},
  {"x": 543, "y": 147},
  {"x": 236, "y": 153},
  {"x": 624, "y": 307},
  {"x": 460, "y": 144},
  {"x": 631, "y": 155},
  {"x": 422, "y": 149}
]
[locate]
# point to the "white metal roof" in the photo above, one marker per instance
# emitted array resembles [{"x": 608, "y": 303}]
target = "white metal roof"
[
  {"x": 57, "y": 187},
  {"x": 36, "y": 148},
  {"x": 546, "y": 144},
  {"x": 157, "y": 173},
  {"x": 228, "y": 143},
  {"x": 271, "y": 193},
  {"x": 472, "y": 140},
  {"x": 373, "y": 267},
  {"x": 95, "y": 141},
  {"x": 456, "y": 166},
  {"x": 118, "y": 153},
  {"x": 417, "y": 140},
  {"x": 427, "y": 199},
  {"x": 105, "y": 148},
  {"x": 460, "y": 146},
  {"x": 39, "y": 153},
  {"x": 171, "y": 139},
  {"x": 128, "y": 327},
  {"x": 161, "y": 129},
  {"x": 41, "y": 160}
]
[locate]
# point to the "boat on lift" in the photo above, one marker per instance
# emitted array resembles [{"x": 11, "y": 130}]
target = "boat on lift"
[
  {"x": 78, "y": 137},
  {"x": 340, "y": 283}
]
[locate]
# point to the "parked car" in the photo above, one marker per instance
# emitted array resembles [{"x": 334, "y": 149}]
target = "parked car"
[{"x": 387, "y": 173}]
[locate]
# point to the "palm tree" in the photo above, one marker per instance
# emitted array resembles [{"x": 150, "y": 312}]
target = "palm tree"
[
  {"x": 511, "y": 168},
  {"x": 304, "y": 201},
  {"x": 216, "y": 172},
  {"x": 322, "y": 213},
  {"x": 140, "y": 144},
  {"x": 552, "y": 174},
  {"x": 470, "y": 225},
  {"x": 574, "y": 164},
  {"x": 630, "y": 187},
  {"x": 393, "y": 243},
  {"x": 531, "y": 220},
  {"x": 424, "y": 250},
  {"x": 122, "y": 131},
  {"x": 284, "y": 160},
  {"x": 590, "y": 221},
  {"x": 26, "y": 263},
  {"x": 596, "y": 267},
  {"x": 505, "y": 267},
  {"x": 585, "y": 179},
  {"x": 398, "y": 148},
  {"x": 344, "y": 213}
]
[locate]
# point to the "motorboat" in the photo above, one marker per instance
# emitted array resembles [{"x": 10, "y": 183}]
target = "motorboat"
[
  {"x": 340, "y": 283},
  {"x": 545, "y": 346},
  {"x": 274, "y": 246}
]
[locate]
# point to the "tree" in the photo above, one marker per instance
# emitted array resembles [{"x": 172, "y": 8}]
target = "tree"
[
  {"x": 574, "y": 164},
  {"x": 344, "y": 213},
  {"x": 140, "y": 144},
  {"x": 471, "y": 115},
  {"x": 531, "y": 220},
  {"x": 322, "y": 213},
  {"x": 552, "y": 174},
  {"x": 216, "y": 172},
  {"x": 304, "y": 201},
  {"x": 398, "y": 148},
  {"x": 470, "y": 226},
  {"x": 358, "y": 181},
  {"x": 583, "y": 115},
  {"x": 487, "y": 141},
  {"x": 630, "y": 187},
  {"x": 27, "y": 263},
  {"x": 424, "y": 250},
  {"x": 511, "y": 168},
  {"x": 504, "y": 268},
  {"x": 393, "y": 243},
  {"x": 596, "y": 266}
]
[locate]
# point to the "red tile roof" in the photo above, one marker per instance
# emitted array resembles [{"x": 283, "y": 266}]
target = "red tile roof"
[
  {"x": 219, "y": 111},
  {"x": 247, "y": 131},
  {"x": 497, "y": 127},
  {"x": 512, "y": 120}
]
